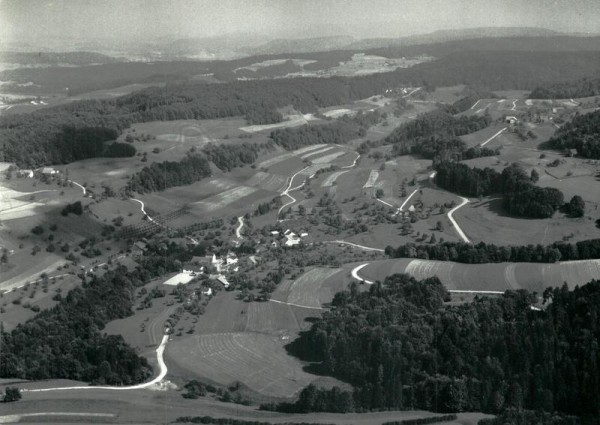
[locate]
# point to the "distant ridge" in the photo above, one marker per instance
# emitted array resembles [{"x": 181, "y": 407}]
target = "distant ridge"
[{"x": 309, "y": 45}]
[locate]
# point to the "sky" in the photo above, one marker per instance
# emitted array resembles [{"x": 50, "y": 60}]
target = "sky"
[{"x": 42, "y": 22}]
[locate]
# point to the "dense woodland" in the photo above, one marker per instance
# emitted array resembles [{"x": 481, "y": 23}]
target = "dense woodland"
[
  {"x": 163, "y": 175},
  {"x": 340, "y": 131},
  {"x": 400, "y": 347},
  {"x": 66, "y": 342},
  {"x": 435, "y": 132},
  {"x": 521, "y": 197},
  {"x": 581, "y": 133},
  {"x": 585, "y": 87},
  {"x": 489, "y": 253}
]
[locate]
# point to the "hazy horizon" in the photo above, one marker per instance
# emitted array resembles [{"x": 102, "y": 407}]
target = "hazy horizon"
[{"x": 65, "y": 23}]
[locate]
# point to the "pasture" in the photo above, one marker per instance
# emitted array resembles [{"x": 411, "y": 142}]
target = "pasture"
[
  {"x": 534, "y": 277},
  {"x": 485, "y": 221},
  {"x": 257, "y": 360},
  {"x": 310, "y": 289}
]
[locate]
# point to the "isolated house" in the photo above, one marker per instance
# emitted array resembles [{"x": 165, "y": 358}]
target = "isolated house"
[
  {"x": 49, "y": 171},
  {"x": 25, "y": 173},
  {"x": 138, "y": 249},
  {"x": 510, "y": 119}
]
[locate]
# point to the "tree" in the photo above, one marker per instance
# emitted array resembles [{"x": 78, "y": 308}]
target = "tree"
[
  {"x": 11, "y": 394},
  {"x": 576, "y": 206},
  {"x": 379, "y": 193},
  {"x": 534, "y": 177}
]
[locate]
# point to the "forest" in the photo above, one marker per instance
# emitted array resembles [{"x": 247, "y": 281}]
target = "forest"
[
  {"x": 433, "y": 132},
  {"x": 521, "y": 197},
  {"x": 66, "y": 342},
  {"x": 582, "y": 133},
  {"x": 163, "y": 175},
  {"x": 584, "y": 87},
  {"x": 401, "y": 347},
  {"x": 489, "y": 253},
  {"x": 340, "y": 131}
]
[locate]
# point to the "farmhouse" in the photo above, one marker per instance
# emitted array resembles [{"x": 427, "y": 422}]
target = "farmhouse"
[
  {"x": 49, "y": 171},
  {"x": 291, "y": 239},
  {"x": 138, "y": 248},
  {"x": 25, "y": 173}
]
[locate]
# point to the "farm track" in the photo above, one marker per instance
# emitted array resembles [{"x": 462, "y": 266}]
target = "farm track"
[
  {"x": 77, "y": 184},
  {"x": 460, "y": 232},
  {"x": 493, "y": 137},
  {"x": 366, "y": 248},
  {"x": 238, "y": 229}
]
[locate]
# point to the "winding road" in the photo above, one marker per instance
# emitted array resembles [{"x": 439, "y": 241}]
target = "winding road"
[
  {"x": 161, "y": 363},
  {"x": 286, "y": 192},
  {"x": 142, "y": 207},
  {"x": 355, "y": 275},
  {"x": 239, "y": 228},
  {"x": 77, "y": 184},
  {"x": 462, "y": 235}
]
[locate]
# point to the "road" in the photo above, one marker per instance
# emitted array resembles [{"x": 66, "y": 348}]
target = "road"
[
  {"x": 366, "y": 248},
  {"x": 296, "y": 305},
  {"x": 406, "y": 200},
  {"x": 77, "y": 184},
  {"x": 355, "y": 275},
  {"x": 239, "y": 228},
  {"x": 493, "y": 137},
  {"x": 142, "y": 207},
  {"x": 161, "y": 364},
  {"x": 354, "y": 163},
  {"x": 286, "y": 192},
  {"x": 464, "y": 237}
]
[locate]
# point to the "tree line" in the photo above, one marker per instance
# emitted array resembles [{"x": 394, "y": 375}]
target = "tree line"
[
  {"x": 521, "y": 196},
  {"x": 432, "y": 132},
  {"x": 482, "y": 252},
  {"x": 340, "y": 131},
  {"x": 194, "y": 167},
  {"x": 584, "y": 87},
  {"x": 401, "y": 347}
]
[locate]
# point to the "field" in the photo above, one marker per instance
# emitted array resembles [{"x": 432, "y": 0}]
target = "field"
[
  {"x": 489, "y": 277},
  {"x": 142, "y": 406},
  {"x": 485, "y": 221},
  {"x": 256, "y": 360}
]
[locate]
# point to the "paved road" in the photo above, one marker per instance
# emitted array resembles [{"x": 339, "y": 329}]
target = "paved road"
[
  {"x": 355, "y": 275},
  {"x": 162, "y": 367}
]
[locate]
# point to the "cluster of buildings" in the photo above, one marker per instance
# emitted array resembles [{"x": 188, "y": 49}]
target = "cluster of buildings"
[{"x": 287, "y": 238}]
